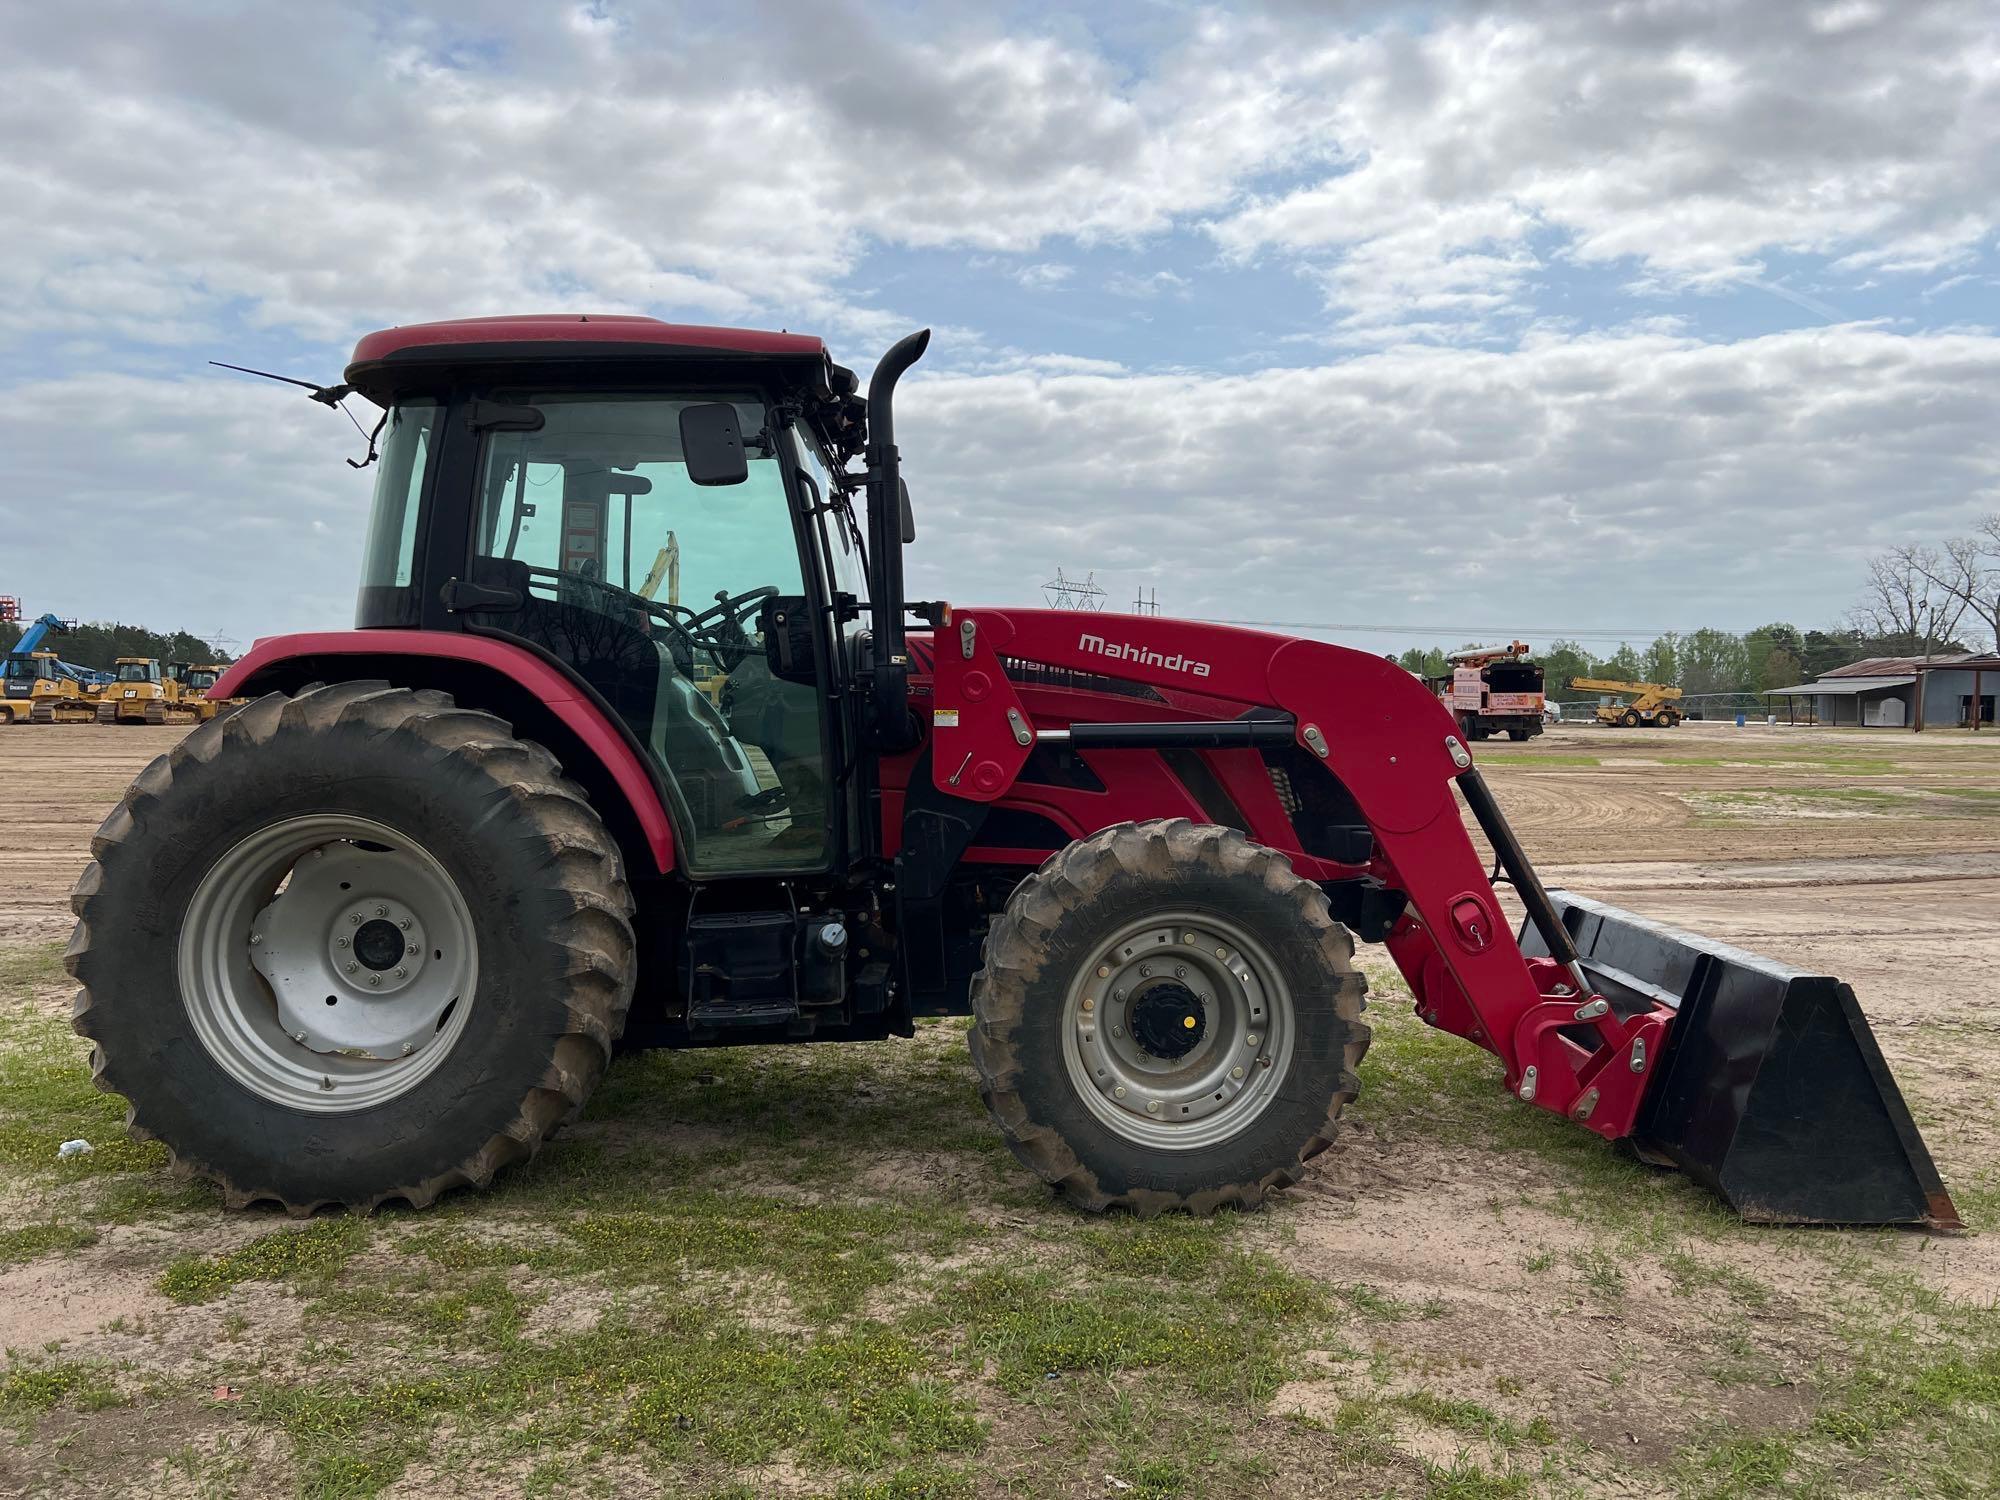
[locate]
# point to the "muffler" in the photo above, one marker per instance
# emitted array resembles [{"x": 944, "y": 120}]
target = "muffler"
[{"x": 1773, "y": 1091}]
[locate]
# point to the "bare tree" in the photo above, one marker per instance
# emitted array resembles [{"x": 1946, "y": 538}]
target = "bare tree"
[
  {"x": 1906, "y": 601},
  {"x": 1971, "y": 574}
]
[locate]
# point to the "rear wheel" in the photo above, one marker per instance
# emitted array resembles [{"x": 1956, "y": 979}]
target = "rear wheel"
[
  {"x": 1666, "y": 718},
  {"x": 1167, "y": 1018},
  {"x": 354, "y": 946}
]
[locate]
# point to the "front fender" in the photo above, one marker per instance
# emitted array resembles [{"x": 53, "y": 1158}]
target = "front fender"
[{"x": 570, "y": 704}]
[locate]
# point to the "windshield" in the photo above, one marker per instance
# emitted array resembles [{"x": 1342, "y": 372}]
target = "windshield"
[
  {"x": 200, "y": 680},
  {"x": 138, "y": 671},
  {"x": 27, "y": 666}
]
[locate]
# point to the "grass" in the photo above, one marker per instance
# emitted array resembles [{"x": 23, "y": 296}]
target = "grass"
[{"x": 709, "y": 1276}]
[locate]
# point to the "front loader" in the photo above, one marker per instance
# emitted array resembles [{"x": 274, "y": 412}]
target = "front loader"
[{"x": 378, "y": 933}]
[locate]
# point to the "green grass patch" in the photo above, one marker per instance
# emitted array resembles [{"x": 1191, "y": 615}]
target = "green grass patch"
[
  {"x": 308, "y": 1258},
  {"x": 1524, "y": 758},
  {"x": 79, "y": 1385},
  {"x": 32, "y": 1240},
  {"x": 47, "y": 1097}
]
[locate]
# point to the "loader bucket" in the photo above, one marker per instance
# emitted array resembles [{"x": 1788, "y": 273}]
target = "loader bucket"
[{"x": 1773, "y": 1091}]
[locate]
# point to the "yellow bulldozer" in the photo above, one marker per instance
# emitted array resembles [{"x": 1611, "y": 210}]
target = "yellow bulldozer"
[
  {"x": 136, "y": 694},
  {"x": 38, "y": 692},
  {"x": 1640, "y": 703},
  {"x": 187, "y": 685}
]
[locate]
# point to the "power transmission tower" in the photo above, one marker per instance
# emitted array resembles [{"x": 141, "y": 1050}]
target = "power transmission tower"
[
  {"x": 1147, "y": 602},
  {"x": 1064, "y": 592}
]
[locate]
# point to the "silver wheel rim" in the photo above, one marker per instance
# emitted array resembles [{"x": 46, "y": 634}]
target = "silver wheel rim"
[
  {"x": 328, "y": 963},
  {"x": 1178, "y": 979}
]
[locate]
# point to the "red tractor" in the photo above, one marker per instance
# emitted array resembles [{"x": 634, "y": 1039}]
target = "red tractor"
[{"x": 378, "y": 934}]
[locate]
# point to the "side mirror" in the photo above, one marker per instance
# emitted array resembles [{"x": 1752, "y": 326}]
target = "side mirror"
[
  {"x": 712, "y": 444},
  {"x": 909, "y": 516}
]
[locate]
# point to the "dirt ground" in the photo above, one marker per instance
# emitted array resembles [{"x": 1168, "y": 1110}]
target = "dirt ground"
[{"x": 1487, "y": 1301}]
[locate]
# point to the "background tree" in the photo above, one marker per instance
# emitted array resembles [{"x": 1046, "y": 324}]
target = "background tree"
[
  {"x": 1714, "y": 661},
  {"x": 1663, "y": 660}
]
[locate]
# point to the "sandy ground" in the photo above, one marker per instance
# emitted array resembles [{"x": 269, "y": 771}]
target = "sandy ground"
[{"x": 1871, "y": 855}]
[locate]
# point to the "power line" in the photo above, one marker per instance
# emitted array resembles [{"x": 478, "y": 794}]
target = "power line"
[{"x": 1468, "y": 632}]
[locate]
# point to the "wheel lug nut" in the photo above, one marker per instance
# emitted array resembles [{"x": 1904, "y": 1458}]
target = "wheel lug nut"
[
  {"x": 350, "y": 966},
  {"x": 1117, "y": 994},
  {"x": 1222, "y": 953},
  {"x": 256, "y": 938},
  {"x": 381, "y": 911},
  {"x": 1088, "y": 1003},
  {"x": 340, "y": 942},
  {"x": 1118, "y": 1031},
  {"x": 1250, "y": 1040},
  {"x": 1152, "y": 1106},
  {"x": 1144, "y": 970},
  {"x": 1103, "y": 971},
  {"x": 1118, "y": 1092},
  {"x": 354, "y": 919},
  {"x": 1235, "y": 1072},
  {"x": 404, "y": 924},
  {"x": 375, "y": 980},
  {"x": 408, "y": 1048},
  {"x": 1180, "y": 971},
  {"x": 1187, "y": 937},
  {"x": 411, "y": 949},
  {"x": 402, "y": 973}
]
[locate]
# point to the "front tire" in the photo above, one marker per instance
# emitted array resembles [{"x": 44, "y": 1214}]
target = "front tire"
[
  {"x": 1167, "y": 1017},
  {"x": 418, "y": 844}
]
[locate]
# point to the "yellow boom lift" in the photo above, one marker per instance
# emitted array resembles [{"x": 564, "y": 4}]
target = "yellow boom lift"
[{"x": 1649, "y": 703}]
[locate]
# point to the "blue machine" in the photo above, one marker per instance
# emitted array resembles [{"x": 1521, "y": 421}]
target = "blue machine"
[{"x": 22, "y": 669}]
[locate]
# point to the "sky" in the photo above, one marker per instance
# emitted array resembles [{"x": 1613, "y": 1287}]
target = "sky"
[{"x": 1393, "y": 324}]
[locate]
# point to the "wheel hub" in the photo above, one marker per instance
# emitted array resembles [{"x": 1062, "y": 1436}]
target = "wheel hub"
[
  {"x": 348, "y": 955},
  {"x": 1180, "y": 1032},
  {"x": 1168, "y": 1020}
]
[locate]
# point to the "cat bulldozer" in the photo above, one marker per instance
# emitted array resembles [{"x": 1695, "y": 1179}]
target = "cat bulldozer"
[
  {"x": 188, "y": 699},
  {"x": 378, "y": 934},
  {"x": 136, "y": 694}
]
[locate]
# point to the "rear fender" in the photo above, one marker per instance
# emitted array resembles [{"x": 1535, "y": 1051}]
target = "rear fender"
[{"x": 491, "y": 674}]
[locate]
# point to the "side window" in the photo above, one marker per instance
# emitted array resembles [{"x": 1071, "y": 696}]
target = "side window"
[{"x": 405, "y": 450}]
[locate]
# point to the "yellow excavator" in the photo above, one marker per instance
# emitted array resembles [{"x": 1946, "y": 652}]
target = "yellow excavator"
[{"x": 1648, "y": 703}]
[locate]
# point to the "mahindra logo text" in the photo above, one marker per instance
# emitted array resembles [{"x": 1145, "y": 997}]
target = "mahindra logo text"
[{"x": 1122, "y": 651}]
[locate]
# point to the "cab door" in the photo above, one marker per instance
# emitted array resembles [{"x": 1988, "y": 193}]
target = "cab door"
[{"x": 592, "y": 543}]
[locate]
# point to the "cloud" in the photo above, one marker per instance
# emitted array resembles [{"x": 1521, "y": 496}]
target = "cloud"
[
  {"x": 1581, "y": 481},
  {"x": 1487, "y": 244},
  {"x": 1144, "y": 286}
]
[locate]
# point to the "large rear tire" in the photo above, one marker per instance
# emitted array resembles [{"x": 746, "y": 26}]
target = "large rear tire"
[
  {"x": 351, "y": 947},
  {"x": 1167, "y": 1017}
]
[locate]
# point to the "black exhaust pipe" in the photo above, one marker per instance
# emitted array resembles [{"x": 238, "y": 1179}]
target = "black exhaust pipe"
[{"x": 889, "y": 725}]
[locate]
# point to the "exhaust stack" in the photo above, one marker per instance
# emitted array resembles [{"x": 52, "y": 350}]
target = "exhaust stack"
[{"x": 889, "y": 718}]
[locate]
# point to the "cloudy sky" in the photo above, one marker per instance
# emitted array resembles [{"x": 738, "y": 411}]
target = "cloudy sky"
[{"x": 1448, "y": 320}]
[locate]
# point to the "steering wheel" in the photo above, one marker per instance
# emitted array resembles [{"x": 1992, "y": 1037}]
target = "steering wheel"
[{"x": 719, "y": 628}]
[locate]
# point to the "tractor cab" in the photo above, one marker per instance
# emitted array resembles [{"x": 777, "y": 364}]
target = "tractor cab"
[
  {"x": 137, "y": 670},
  {"x": 662, "y": 511}
]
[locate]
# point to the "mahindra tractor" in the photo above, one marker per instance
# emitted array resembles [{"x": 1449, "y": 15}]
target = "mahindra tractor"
[{"x": 377, "y": 934}]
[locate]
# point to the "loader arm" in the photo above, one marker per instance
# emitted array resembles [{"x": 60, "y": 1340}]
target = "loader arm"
[
  {"x": 1774, "y": 1062},
  {"x": 1398, "y": 753}
]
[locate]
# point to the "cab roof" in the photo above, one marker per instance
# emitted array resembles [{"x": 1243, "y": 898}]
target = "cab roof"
[{"x": 382, "y": 356}]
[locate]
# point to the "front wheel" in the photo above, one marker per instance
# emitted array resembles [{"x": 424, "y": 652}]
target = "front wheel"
[
  {"x": 353, "y": 946},
  {"x": 1167, "y": 1017}
]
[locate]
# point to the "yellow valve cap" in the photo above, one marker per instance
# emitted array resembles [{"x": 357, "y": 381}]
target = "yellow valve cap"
[{"x": 1188, "y": 1021}]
